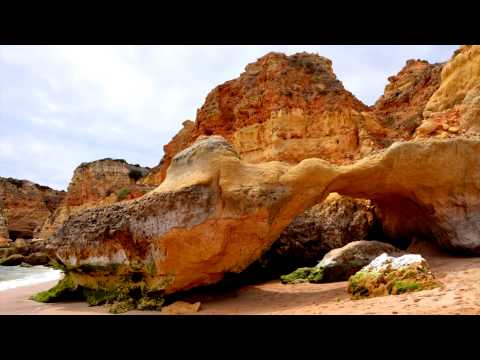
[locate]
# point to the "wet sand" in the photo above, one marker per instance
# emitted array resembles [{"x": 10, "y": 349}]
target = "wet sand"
[{"x": 460, "y": 295}]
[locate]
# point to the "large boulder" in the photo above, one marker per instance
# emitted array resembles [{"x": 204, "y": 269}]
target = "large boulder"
[
  {"x": 339, "y": 264},
  {"x": 332, "y": 224},
  {"x": 33, "y": 251},
  {"x": 12, "y": 260},
  {"x": 387, "y": 275},
  {"x": 37, "y": 258}
]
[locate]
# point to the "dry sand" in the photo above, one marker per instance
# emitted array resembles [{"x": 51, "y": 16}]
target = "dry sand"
[{"x": 460, "y": 295}]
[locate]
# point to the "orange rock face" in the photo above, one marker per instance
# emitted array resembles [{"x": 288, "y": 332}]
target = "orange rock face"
[
  {"x": 290, "y": 108},
  {"x": 94, "y": 184},
  {"x": 26, "y": 205},
  {"x": 285, "y": 108},
  {"x": 401, "y": 107}
]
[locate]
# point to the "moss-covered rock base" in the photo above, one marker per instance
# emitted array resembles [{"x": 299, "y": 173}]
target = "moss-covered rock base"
[
  {"x": 122, "y": 292},
  {"x": 389, "y": 281}
]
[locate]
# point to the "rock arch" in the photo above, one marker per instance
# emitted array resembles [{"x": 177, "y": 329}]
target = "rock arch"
[{"x": 215, "y": 213}]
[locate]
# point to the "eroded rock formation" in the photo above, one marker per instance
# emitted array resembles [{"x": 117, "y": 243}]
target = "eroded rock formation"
[
  {"x": 400, "y": 108},
  {"x": 454, "y": 109},
  {"x": 290, "y": 108},
  {"x": 26, "y": 205},
  {"x": 215, "y": 213},
  {"x": 221, "y": 202},
  {"x": 285, "y": 108},
  {"x": 97, "y": 183}
]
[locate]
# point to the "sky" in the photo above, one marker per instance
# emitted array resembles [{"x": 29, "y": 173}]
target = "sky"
[{"x": 64, "y": 105}]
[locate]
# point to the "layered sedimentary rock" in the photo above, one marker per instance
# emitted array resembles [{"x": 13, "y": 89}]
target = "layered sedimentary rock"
[
  {"x": 400, "y": 108},
  {"x": 26, "y": 205},
  {"x": 454, "y": 109},
  {"x": 285, "y": 108},
  {"x": 215, "y": 213},
  {"x": 97, "y": 183}
]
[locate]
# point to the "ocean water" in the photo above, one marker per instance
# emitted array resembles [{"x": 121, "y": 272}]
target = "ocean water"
[{"x": 16, "y": 276}]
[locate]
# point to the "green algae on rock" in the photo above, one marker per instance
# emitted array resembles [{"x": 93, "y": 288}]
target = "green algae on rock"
[
  {"x": 99, "y": 286},
  {"x": 66, "y": 289},
  {"x": 302, "y": 275},
  {"x": 392, "y": 276},
  {"x": 339, "y": 264}
]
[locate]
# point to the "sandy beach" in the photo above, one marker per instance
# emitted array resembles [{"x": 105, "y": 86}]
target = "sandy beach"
[{"x": 460, "y": 295}]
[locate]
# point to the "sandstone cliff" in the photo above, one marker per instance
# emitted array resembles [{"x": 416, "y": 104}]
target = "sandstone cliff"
[
  {"x": 454, "y": 109},
  {"x": 95, "y": 184},
  {"x": 400, "y": 108},
  {"x": 285, "y": 108},
  {"x": 26, "y": 205}
]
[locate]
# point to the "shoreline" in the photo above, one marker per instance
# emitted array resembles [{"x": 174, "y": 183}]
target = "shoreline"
[{"x": 460, "y": 295}]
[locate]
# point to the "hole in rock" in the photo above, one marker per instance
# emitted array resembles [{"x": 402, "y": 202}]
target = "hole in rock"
[{"x": 334, "y": 223}]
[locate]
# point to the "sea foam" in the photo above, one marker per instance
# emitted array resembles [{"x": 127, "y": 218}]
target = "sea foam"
[{"x": 15, "y": 276}]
